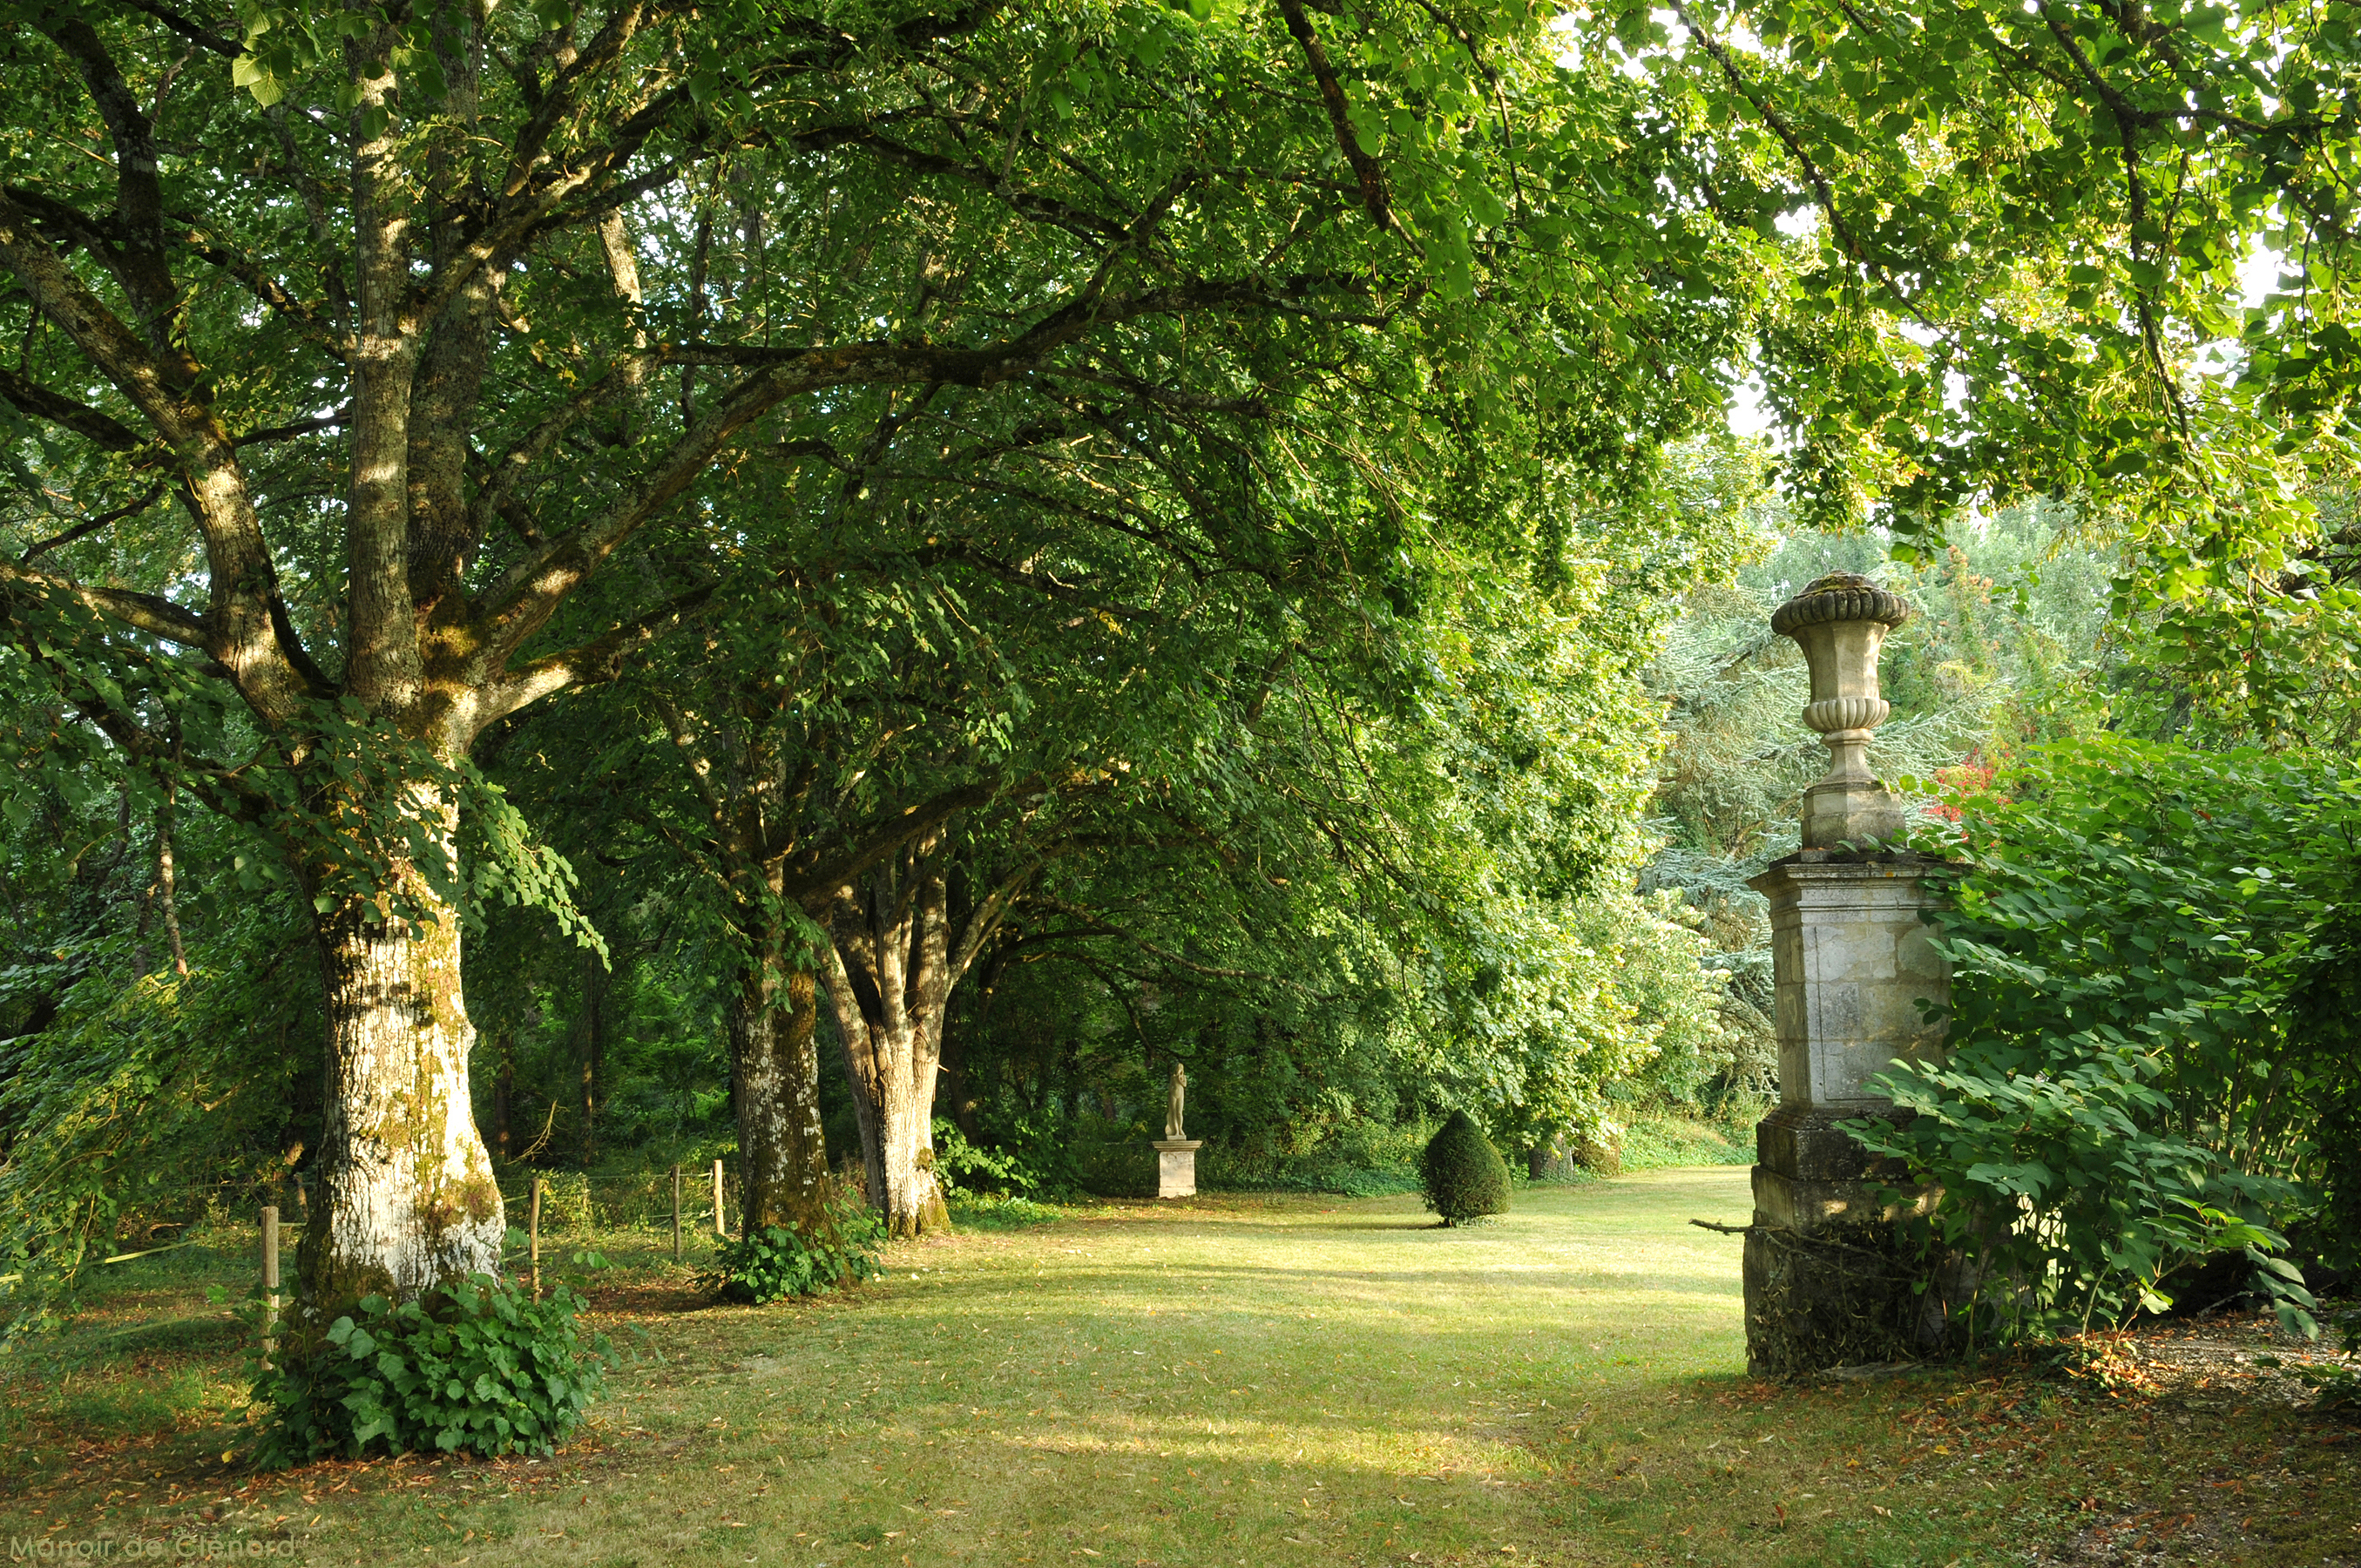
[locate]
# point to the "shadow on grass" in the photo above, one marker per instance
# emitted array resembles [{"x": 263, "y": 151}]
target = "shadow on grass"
[{"x": 213, "y": 1333}]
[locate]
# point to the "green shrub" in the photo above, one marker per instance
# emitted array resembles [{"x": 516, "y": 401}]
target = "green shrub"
[
  {"x": 2150, "y": 1058},
  {"x": 1655, "y": 1141},
  {"x": 965, "y": 1169},
  {"x": 565, "y": 1203},
  {"x": 476, "y": 1367},
  {"x": 1462, "y": 1173},
  {"x": 780, "y": 1260},
  {"x": 2337, "y": 1383},
  {"x": 1356, "y": 1157}
]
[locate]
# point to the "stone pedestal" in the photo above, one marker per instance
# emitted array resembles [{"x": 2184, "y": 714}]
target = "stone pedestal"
[
  {"x": 1851, "y": 960},
  {"x": 1826, "y": 1283},
  {"x": 1176, "y": 1167},
  {"x": 1851, "y": 963}
]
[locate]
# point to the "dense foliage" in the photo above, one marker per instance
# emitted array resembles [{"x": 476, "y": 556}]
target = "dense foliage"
[
  {"x": 2091, "y": 253},
  {"x": 2154, "y": 975},
  {"x": 476, "y": 1367},
  {"x": 1460, "y": 1174}
]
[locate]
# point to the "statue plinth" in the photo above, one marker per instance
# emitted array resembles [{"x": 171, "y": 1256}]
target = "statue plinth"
[
  {"x": 1176, "y": 1167},
  {"x": 1851, "y": 960}
]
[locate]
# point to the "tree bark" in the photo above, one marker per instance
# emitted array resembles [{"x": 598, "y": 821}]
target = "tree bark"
[
  {"x": 897, "y": 1129},
  {"x": 167, "y": 891},
  {"x": 888, "y": 977},
  {"x": 409, "y": 1200},
  {"x": 894, "y": 958},
  {"x": 775, "y": 1069}
]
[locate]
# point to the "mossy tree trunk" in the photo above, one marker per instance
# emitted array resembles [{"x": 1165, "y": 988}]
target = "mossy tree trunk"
[
  {"x": 886, "y": 986},
  {"x": 897, "y": 953},
  {"x": 407, "y": 1197}
]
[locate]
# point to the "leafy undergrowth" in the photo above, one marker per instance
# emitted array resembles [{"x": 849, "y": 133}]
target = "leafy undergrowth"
[
  {"x": 1234, "y": 1379},
  {"x": 1334, "y": 1181}
]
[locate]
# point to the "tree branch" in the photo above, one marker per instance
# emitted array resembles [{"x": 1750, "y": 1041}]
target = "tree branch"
[
  {"x": 864, "y": 135},
  {"x": 1078, "y": 912},
  {"x": 151, "y": 613},
  {"x": 817, "y": 885},
  {"x": 91, "y": 424},
  {"x": 1822, "y": 191},
  {"x": 1332, "y": 94},
  {"x": 238, "y": 627},
  {"x": 700, "y": 765},
  {"x": 194, "y": 32},
  {"x": 83, "y": 530},
  {"x": 591, "y": 663},
  {"x": 138, "y": 256},
  {"x": 301, "y": 427},
  {"x": 263, "y": 287},
  {"x": 524, "y": 599}
]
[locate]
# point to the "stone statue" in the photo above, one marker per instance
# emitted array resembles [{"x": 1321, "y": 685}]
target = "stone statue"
[{"x": 1172, "y": 1131}]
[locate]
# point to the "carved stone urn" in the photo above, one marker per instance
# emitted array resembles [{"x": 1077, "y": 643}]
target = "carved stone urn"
[{"x": 1841, "y": 622}]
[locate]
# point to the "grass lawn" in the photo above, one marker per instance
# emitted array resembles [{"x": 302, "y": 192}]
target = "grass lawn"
[{"x": 1234, "y": 1381}]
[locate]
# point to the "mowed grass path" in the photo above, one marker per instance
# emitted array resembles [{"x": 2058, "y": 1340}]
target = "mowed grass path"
[{"x": 1250, "y": 1381}]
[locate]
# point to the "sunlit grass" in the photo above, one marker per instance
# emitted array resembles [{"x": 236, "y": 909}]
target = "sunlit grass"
[{"x": 1234, "y": 1381}]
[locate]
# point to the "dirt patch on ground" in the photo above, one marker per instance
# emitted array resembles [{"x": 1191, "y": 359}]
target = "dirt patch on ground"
[{"x": 2217, "y": 1363}]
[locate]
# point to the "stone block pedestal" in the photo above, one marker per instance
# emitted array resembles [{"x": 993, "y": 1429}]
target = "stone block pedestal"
[
  {"x": 1176, "y": 1167},
  {"x": 1851, "y": 960},
  {"x": 1826, "y": 1285}
]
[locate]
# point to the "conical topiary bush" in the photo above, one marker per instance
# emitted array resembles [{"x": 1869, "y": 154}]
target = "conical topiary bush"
[{"x": 1462, "y": 1172}]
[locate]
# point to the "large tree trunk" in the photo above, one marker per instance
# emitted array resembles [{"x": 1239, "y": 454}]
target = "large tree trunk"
[
  {"x": 407, "y": 1197},
  {"x": 888, "y": 977},
  {"x": 775, "y": 1069},
  {"x": 893, "y": 1097}
]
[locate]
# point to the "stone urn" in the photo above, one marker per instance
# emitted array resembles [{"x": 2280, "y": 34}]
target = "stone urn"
[{"x": 1841, "y": 622}]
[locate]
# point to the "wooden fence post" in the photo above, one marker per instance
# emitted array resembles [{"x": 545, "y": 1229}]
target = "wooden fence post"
[
  {"x": 719, "y": 1229},
  {"x": 532, "y": 1235},
  {"x": 270, "y": 1283},
  {"x": 675, "y": 1213}
]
